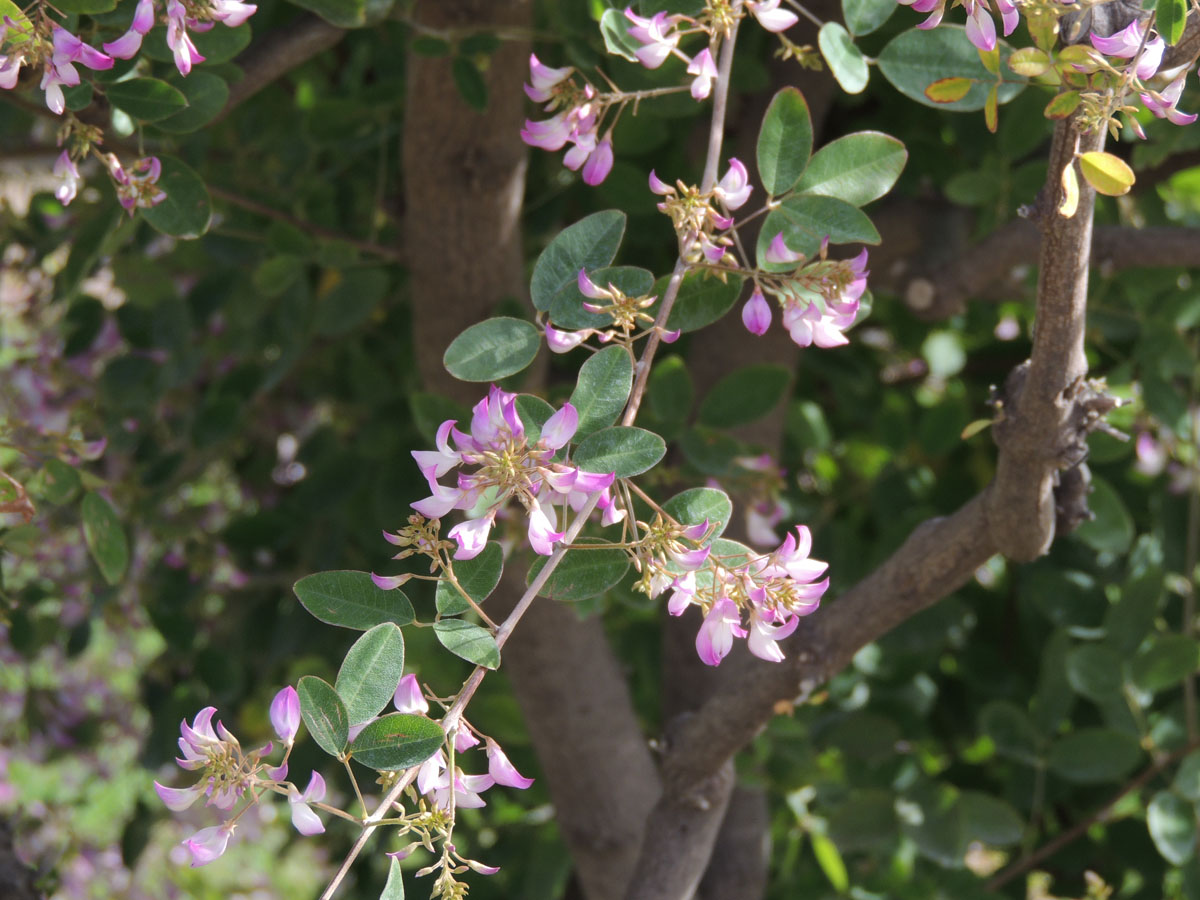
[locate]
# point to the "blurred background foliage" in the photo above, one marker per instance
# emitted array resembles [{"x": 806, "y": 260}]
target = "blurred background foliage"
[{"x": 257, "y": 395}]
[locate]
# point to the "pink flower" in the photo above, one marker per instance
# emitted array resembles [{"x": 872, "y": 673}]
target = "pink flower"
[
  {"x": 285, "y": 714},
  {"x": 656, "y": 35},
  {"x": 770, "y": 16},
  {"x": 721, "y": 625},
  {"x": 1163, "y": 103},
  {"x": 139, "y": 186},
  {"x": 65, "y": 169},
  {"x": 778, "y": 252},
  {"x": 502, "y": 771},
  {"x": 408, "y": 697},
  {"x": 231, "y": 13},
  {"x": 544, "y": 79},
  {"x": 599, "y": 163},
  {"x": 735, "y": 188},
  {"x": 705, "y": 71},
  {"x": 181, "y": 46},
  {"x": 981, "y": 30},
  {"x": 1126, "y": 43},
  {"x": 128, "y": 44},
  {"x": 179, "y": 799},
  {"x": 306, "y": 821},
  {"x": 756, "y": 314},
  {"x": 209, "y": 843}
]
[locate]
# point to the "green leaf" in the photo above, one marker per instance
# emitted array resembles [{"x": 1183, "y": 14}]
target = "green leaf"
[
  {"x": 614, "y": 28},
  {"x": 346, "y": 13},
  {"x": 845, "y": 60},
  {"x": 371, "y": 672},
  {"x": 1187, "y": 777},
  {"x": 1112, "y": 529},
  {"x": 1168, "y": 660},
  {"x": 784, "y": 141},
  {"x": 351, "y": 301},
  {"x": 187, "y": 210},
  {"x": 350, "y": 599},
  {"x": 857, "y": 168},
  {"x": 425, "y": 45},
  {"x": 471, "y": 642},
  {"x": 625, "y": 450},
  {"x": 695, "y": 505},
  {"x": 478, "y": 577},
  {"x": 1011, "y": 730},
  {"x": 105, "y": 537},
  {"x": 602, "y": 390},
  {"x": 1094, "y": 755},
  {"x": 1131, "y": 618},
  {"x": 147, "y": 99},
  {"x": 806, "y": 219},
  {"x": 78, "y": 96},
  {"x": 670, "y": 391},
  {"x": 701, "y": 301},
  {"x": 830, "y": 861},
  {"x": 397, "y": 741},
  {"x": 989, "y": 819},
  {"x": 1094, "y": 670},
  {"x": 1171, "y": 821},
  {"x": 567, "y": 308},
  {"x": 582, "y": 573},
  {"x": 59, "y": 482},
  {"x": 394, "y": 888},
  {"x": 324, "y": 714},
  {"x": 469, "y": 81},
  {"x": 744, "y": 395},
  {"x": 1170, "y": 16},
  {"x": 915, "y": 59},
  {"x": 492, "y": 349},
  {"x": 533, "y": 412},
  {"x": 864, "y": 16},
  {"x": 591, "y": 243},
  {"x": 206, "y": 96}
]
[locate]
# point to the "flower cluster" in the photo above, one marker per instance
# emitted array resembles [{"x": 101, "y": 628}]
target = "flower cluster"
[
  {"x": 818, "y": 301},
  {"x": 56, "y": 54},
  {"x": 698, "y": 224},
  {"x": 199, "y": 17},
  {"x": 507, "y": 467},
  {"x": 228, "y": 774},
  {"x": 626, "y": 313},
  {"x": 138, "y": 186},
  {"x": 580, "y": 110},
  {"x": 981, "y": 29},
  {"x": 1133, "y": 43}
]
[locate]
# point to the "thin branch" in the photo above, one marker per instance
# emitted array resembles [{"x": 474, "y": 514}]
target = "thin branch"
[{"x": 1080, "y": 828}]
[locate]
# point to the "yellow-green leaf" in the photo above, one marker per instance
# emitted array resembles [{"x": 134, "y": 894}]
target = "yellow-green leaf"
[
  {"x": 991, "y": 59},
  {"x": 948, "y": 90},
  {"x": 1079, "y": 55},
  {"x": 1070, "y": 186},
  {"x": 974, "y": 428},
  {"x": 1029, "y": 61},
  {"x": 1062, "y": 105},
  {"x": 991, "y": 109},
  {"x": 1108, "y": 174}
]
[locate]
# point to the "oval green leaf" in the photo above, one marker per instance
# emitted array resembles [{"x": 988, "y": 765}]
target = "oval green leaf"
[
  {"x": 864, "y": 16},
  {"x": 622, "y": 449},
  {"x": 614, "y": 28},
  {"x": 857, "y": 168},
  {"x": 1187, "y": 777},
  {"x": 990, "y": 819},
  {"x": 371, "y": 672},
  {"x": 915, "y": 59},
  {"x": 1094, "y": 670},
  {"x": 492, "y": 349},
  {"x": 1171, "y": 821},
  {"x": 397, "y": 741},
  {"x": 206, "y": 96},
  {"x": 1107, "y": 173},
  {"x": 187, "y": 209},
  {"x": 845, "y": 60},
  {"x": 1168, "y": 660},
  {"x": 105, "y": 537},
  {"x": 350, "y": 599},
  {"x": 147, "y": 99},
  {"x": 469, "y": 641},
  {"x": 696, "y": 505},
  {"x": 702, "y": 300},
  {"x": 1112, "y": 529},
  {"x": 1011, "y": 730},
  {"x": 582, "y": 573},
  {"x": 591, "y": 243},
  {"x": 1094, "y": 755},
  {"x": 744, "y": 396},
  {"x": 807, "y": 218},
  {"x": 602, "y": 390},
  {"x": 478, "y": 577},
  {"x": 324, "y": 714},
  {"x": 784, "y": 141}
]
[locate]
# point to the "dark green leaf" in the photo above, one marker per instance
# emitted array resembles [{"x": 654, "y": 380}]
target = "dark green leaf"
[
  {"x": 469, "y": 81},
  {"x": 1094, "y": 670},
  {"x": 1172, "y": 824},
  {"x": 625, "y": 450},
  {"x": 59, "y": 482},
  {"x": 187, "y": 210},
  {"x": 845, "y": 60},
  {"x": 397, "y": 741},
  {"x": 784, "y": 141},
  {"x": 590, "y": 243},
  {"x": 857, "y": 168},
  {"x": 147, "y": 99},
  {"x": 1094, "y": 755},
  {"x": 471, "y": 642},
  {"x": 670, "y": 391},
  {"x": 744, "y": 395},
  {"x": 492, "y": 349},
  {"x": 806, "y": 219},
  {"x": 347, "y": 13},
  {"x": 915, "y": 59},
  {"x": 582, "y": 573},
  {"x": 989, "y": 819},
  {"x": 864, "y": 16},
  {"x": 351, "y": 600},
  {"x": 1011, "y": 730},
  {"x": 693, "y": 506},
  {"x": 371, "y": 672},
  {"x": 351, "y": 301},
  {"x": 603, "y": 387},
  {"x": 478, "y": 577},
  {"x": 702, "y": 300},
  {"x": 533, "y": 412},
  {"x": 1131, "y": 618},
  {"x": 1112, "y": 530},
  {"x": 1187, "y": 777},
  {"x": 206, "y": 96},
  {"x": 105, "y": 537},
  {"x": 614, "y": 27},
  {"x": 1168, "y": 660},
  {"x": 324, "y": 714}
]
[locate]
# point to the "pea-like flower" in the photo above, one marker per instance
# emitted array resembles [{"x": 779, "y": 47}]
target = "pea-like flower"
[
  {"x": 770, "y": 16},
  {"x": 285, "y": 715},
  {"x": 304, "y": 819},
  {"x": 1127, "y": 43},
  {"x": 507, "y": 467},
  {"x": 1162, "y": 104},
  {"x": 65, "y": 168}
]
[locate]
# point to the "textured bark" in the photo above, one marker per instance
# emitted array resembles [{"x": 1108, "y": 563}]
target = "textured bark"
[
  {"x": 16, "y": 879},
  {"x": 464, "y": 176}
]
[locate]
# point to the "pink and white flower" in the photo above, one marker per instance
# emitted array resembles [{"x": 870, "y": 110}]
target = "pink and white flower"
[
  {"x": 304, "y": 819},
  {"x": 770, "y": 16},
  {"x": 705, "y": 70},
  {"x": 1127, "y": 43}
]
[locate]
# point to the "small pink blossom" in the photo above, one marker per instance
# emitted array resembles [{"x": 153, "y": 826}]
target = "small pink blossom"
[
  {"x": 770, "y": 16},
  {"x": 409, "y": 698},
  {"x": 502, "y": 771},
  {"x": 705, "y": 70},
  {"x": 66, "y": 169},
  {"x": 721, "y": 625},
  {"x": 778, "y": 253},
  {"x": 544, "y": 79},
  {"x": 756, "y": 314},
  {"x": 208, "y": 844},
  {"x": 1126, "y": 44},
  {"x": 285, "y": 714},
  {"x": 304, "y": 819},
  {"x": 734, "y": 188}
]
